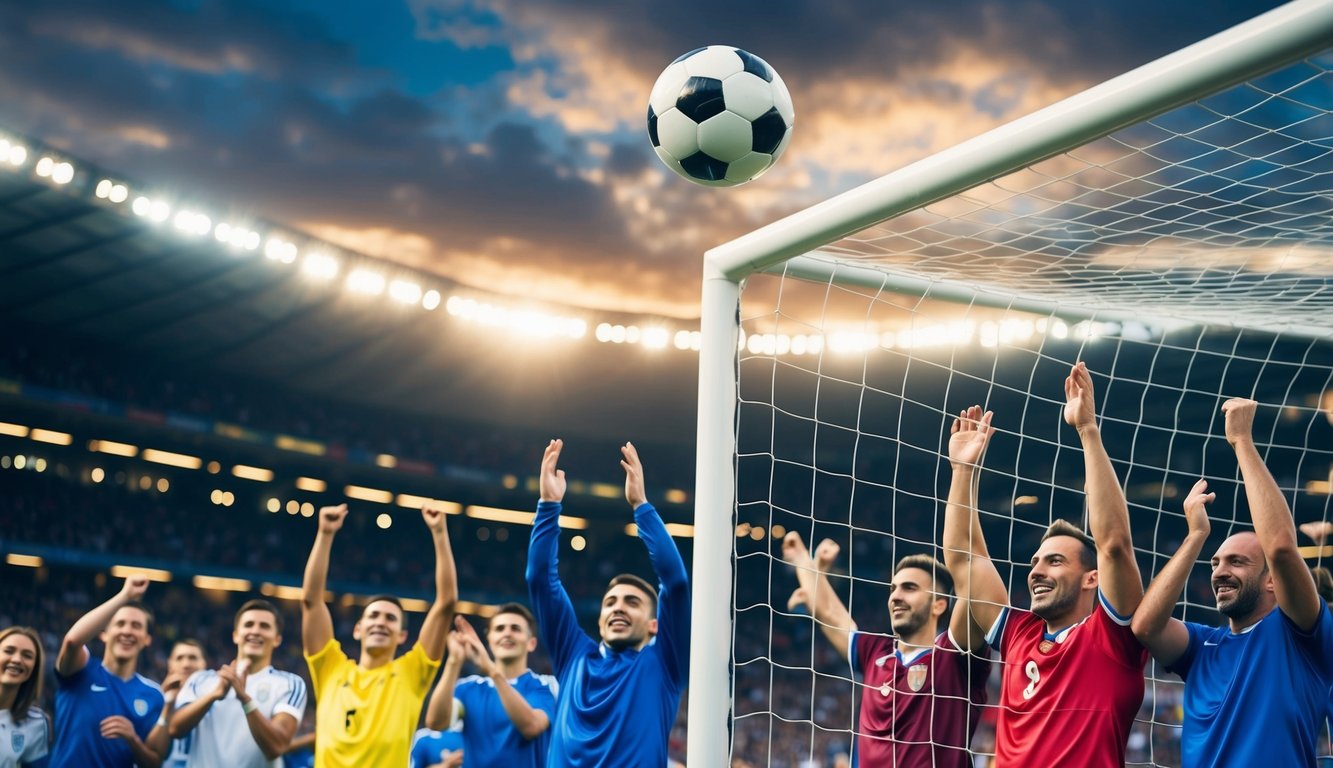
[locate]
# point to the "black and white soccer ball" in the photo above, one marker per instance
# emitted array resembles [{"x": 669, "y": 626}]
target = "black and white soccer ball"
[{"x": 720, "y": 116}]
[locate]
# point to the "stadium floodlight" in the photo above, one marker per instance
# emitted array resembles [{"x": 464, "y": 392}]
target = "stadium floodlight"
[
  {"x": 430, "y": 300},
  {"x": 112, "y": 447},
  {"x": 365, "y": 281},
  {"x": 311, "y": 484},
  {"x": 193, "y": 223},
  {"x": 13, "y": 430},
  {"x": 152, "y": 574},
  {"x": 13, "y": 153},
  {"x": 171, "y": 458},
  {"x": 62, "y": 173},
  {"x": 320, "y": 265},
  {"x": 1134, "y": 203},
  {"x": 278, "y": 249},
  {"x": 258, "y": 474},
  {"x": 368, "y": 494},
  {"x": 225, "y": 583},
  {"x": 24, "y": 561},
  {"x": 51, "y": 436},
  {"x": 656, "y": 337},
  {"x": 404, "y": 291}
]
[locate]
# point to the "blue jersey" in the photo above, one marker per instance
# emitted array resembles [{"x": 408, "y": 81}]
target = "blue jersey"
[
  {"x": 430, "y": 747},
  {"x": 616, "y": 708},
  {"x": 490, "y": 739},
  {"x": 84, "y": 700},
  {"x": 1257, "y": 697}
]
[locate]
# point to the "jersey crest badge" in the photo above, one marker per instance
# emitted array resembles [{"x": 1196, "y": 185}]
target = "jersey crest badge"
[
  {"x": 16, "y": 742},
  {"x": 1046, "y": 646},
  {"x": 140, "y": 707},
  {"x": 263, "y": 693},
  {"x": 916, "y": 676}
]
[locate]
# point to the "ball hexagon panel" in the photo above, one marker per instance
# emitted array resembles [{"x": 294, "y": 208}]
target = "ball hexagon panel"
[
  {"x": 677, "y": 134},
  {"x": 747, "y": 167},
  {"x": 667, "y": 88},
  {"x": 714, "y": 61},
  {"x": 725, "y": 137},
  {"x": 747, "y": 95},
  {"x": 756, "y": 66}
]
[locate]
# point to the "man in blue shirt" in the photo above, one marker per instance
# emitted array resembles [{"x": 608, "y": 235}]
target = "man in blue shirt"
[
  {"x": 618, "y": 698},
  {"x": 506, "y": 710},
  {"x": 436, "y": 749},
  {"x": 1256, "y": 689},
  {"x": 104, "y": 709}
]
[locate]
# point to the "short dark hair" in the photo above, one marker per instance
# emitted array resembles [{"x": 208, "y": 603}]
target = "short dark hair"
[
  {"x": 635, "y": 581},
  {"x": 518, "y": 609},
  {"x": 259, "y": 605},
  {"x": 30, "y": 690},
  {"x": 1088, "y": 553},
  {"x": 938, "y": 572},
  {"x": 147, "y": 612},
  {"x": 193, "y": 643},
  {"x": 386, "y": 599}
]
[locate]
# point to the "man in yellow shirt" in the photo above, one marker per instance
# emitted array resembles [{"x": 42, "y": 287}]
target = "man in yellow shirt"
[{"x": 366, "y": 711}]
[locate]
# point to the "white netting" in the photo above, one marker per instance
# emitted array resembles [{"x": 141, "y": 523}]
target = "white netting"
[{"x": 1198, "y": 248}]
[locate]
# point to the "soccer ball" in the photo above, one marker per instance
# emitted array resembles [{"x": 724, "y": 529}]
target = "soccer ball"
[{"x": 719, "y": 116}]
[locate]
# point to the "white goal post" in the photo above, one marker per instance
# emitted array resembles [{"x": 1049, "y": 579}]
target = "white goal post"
[{"x": 823, "y": 244}]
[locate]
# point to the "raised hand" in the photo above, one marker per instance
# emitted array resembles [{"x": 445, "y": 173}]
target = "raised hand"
[
  {"x": 472, "y": 645},
  {"x": 794, "y": 550},
  {"x": 969, "y": 436},
  {"x": 552, "y": 478},
  {"x": 1318, "y": 530},
  {"x": 1196, "y": 509},
  {"x": 433, "y": 513},
  {"x": 634, "y": 489},
  {"x": 799, "y": 599},
  {"x": 826, "y": 554},
  {"x": 233, "y": 676},
  {"x": 1080, "y": 411},
  {"x": 1239, "y": 419},
  {"x": 331, "y": 518},
  {"x": 135, "y": 586}
]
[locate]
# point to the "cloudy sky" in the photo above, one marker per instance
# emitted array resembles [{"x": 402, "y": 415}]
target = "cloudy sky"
[{"x": 501, "y": 143}]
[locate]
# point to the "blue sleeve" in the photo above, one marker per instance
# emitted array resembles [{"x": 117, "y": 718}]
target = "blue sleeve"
[
  {"x": 543, "y": 698},
  {"x": 556, "y": 622},
  {"x": 673, "y": 601},
  {"x": 1197, "y": 633}
]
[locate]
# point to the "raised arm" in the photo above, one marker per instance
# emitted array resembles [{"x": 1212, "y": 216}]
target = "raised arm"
[
  {"x": 1108, "y": 515},
  {"x": 1292, "y": 582},
  {"x": 834, "y": 620},
  {"x": 1165, "y": 637},
  {"x": 529, "y": 721},
  {"x": 440, "y": 708},
  {"x": 435, "y": 627},
  {"x": 556, "y": 620},
  {"x": 73, "y": 654},
  {"x": 316, "y": 621},
  {"x": 673, "y": 604},
  {"x": 981, "y": 591}
]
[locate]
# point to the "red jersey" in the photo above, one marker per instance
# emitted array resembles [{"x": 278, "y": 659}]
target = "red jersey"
[
  {"x": 919, "y": 710},
  {"x": 1067, "y": 699}
]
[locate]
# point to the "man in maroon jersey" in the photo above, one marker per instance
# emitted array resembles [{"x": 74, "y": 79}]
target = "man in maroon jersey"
[
  {"x": 921, "y": 692},
  {"x": 1072, "y": 677}
]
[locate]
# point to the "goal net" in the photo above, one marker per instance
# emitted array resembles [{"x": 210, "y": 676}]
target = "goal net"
[{"x": 1173, "y": 228}]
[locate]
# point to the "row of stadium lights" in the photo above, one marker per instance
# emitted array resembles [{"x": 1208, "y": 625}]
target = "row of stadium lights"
[
  {"x": 319, "y": 264},
  {"x": 267, "y": 588},
  {"x": 225, "y": 498}
]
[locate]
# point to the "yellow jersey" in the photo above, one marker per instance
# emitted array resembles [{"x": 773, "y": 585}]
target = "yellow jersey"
[{"x": 366, "y": 717}]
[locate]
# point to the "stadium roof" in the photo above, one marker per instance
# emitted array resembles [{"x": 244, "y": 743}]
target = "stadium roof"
[{"x": 75, "y": 265}]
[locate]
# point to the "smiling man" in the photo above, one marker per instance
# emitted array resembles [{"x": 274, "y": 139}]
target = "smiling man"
[
  {"x": 1072, "y": 678},
  {"x": 242, "y": 715},
  {"x": 506, "y": 710},
  {"x": 1256, "y": 688},
  {"x": 618, "y": 698},
  {"x": 366, "y": 711},
  {"x": 104, "y": 708}
]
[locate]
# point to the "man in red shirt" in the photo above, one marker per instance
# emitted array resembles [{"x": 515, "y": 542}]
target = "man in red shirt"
[{"x": 1072, "y": 677}]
